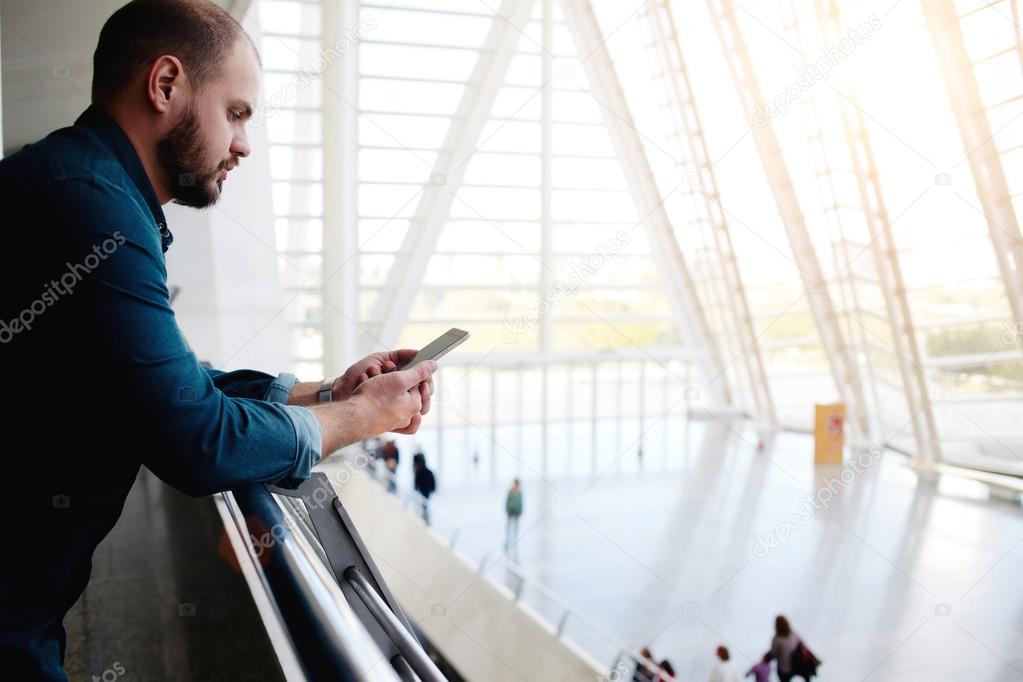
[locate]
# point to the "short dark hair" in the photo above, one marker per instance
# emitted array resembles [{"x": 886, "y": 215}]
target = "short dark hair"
[{"x": 197, "y": 32}]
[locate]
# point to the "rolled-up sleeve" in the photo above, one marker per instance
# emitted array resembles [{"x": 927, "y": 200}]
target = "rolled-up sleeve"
[
  {"x": 248, "y": 383},
  {"x": 309, "y": 447},
  {"x": 279, "y": 389},
  {"x": 189, "y": 431}
]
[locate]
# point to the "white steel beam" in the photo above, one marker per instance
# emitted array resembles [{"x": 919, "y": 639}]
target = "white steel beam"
[
  {"x": 1017, "y": 17},
  {"x": 689, "y": 132},
  {"x": 621, "y": 127},
  {"x": 406, "y": 274},
  {"x": 883, "y": 247},
  {"x": 979, "y": 147},
  {"x": 840, "y": 358}
]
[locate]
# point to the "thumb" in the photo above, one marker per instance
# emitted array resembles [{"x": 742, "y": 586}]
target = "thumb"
[{"x": 420, "y": 373}]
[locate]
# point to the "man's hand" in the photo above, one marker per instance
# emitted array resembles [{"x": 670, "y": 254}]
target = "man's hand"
[
  {"x": 392, "y": 401},
  {"x": 304, "y": 393},
  {"x": 397, "y": 400},
  {"x": 374, "y": 365}
]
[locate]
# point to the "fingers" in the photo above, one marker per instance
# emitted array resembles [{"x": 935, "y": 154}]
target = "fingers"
[
  {"x": 424, "y": 396},
  {"x": 421, "y": 372},
  {"x": 411, "y": 411},
  {"x": 401, "y": 355},
  {"x": 412, "y": 426},
  {"x": 401, "y": 398}
]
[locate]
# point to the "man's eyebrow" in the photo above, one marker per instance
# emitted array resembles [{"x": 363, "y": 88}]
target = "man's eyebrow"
[{"x": 244, "y": 106}]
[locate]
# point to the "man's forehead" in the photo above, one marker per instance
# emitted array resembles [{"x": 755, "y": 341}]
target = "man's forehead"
[{"x": 240, "y": 75}]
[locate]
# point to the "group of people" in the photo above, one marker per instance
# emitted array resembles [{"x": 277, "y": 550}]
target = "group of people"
[
  {"x": 424, "y": 481},
  {"x": 791, "y": 657}
]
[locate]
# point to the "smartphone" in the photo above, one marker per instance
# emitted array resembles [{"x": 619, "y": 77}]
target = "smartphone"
[{"x": 439, "y": 347}]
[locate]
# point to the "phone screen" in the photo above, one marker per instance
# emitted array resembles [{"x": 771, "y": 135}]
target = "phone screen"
[{"x": 438, "y": 347}]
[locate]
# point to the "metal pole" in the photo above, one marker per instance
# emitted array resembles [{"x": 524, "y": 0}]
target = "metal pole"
[
  {"x": 493, "y": 423},
  {"x": 593, "y": 431},
  {"x": 409, "y": 648}
]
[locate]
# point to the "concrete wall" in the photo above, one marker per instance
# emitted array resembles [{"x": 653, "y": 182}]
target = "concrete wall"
[{"x": 473, "y": 622}]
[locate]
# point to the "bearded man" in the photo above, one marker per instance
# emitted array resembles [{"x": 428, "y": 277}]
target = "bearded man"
[{"x": 102, "y": 380}]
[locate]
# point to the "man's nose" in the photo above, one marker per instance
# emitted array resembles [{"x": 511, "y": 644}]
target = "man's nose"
[{"x": 240, "y": 146}]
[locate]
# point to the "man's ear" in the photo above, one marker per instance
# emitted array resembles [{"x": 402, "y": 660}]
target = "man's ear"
[{"x": 166, "y": 82}]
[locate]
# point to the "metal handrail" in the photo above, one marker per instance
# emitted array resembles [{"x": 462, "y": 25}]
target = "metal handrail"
[
  {"x": 325, "y": 525},
  {"x": 323, "y": 632},
  {"x": 403, "y": 640}
]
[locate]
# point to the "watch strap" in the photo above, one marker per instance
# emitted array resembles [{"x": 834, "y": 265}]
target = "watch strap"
[{"x": 326, "y": 394}]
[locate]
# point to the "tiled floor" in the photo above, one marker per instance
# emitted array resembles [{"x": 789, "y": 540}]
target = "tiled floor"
[{"x": 887, "y": 577}]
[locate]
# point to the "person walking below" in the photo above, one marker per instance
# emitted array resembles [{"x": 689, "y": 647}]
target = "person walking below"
[
  {"x": 513, "y": 508},
  {"x": 425, "y": 483},
  {"x": 792, "y": 656},
  {"x": 724, "y": 670},
  {"x": 390, "y": 454},
  {"x": 646, "y": 668},
  {"x": 782, "y": 645},
  {"x": 761, "y": 670}
]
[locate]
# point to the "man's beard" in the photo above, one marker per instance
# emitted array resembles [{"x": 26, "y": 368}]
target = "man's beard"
[{"x": 182, "y": 157}]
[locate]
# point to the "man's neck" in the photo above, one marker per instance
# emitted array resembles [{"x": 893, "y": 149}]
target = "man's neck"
[{"x": 145, "y": 150}]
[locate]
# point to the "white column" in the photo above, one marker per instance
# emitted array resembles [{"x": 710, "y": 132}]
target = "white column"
[
  {"x": 546, "y": 165},
  {"x": 340, "y": 292}
]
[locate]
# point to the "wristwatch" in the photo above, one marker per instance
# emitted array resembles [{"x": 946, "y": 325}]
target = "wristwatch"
[{"x": 326, "y": 393}]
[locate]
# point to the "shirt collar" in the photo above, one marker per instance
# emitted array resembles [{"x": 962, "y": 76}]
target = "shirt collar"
[{"x": 110, "y": 133}]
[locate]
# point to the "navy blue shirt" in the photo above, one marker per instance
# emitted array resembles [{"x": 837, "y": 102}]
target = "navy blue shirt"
[{"x": 103, "y": 381}]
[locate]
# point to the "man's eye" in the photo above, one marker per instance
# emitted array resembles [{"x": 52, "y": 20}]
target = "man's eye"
[{"x": 235, "y": 115}]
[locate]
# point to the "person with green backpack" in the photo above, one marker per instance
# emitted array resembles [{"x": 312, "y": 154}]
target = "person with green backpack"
[{"x": 513, "y": 508}]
